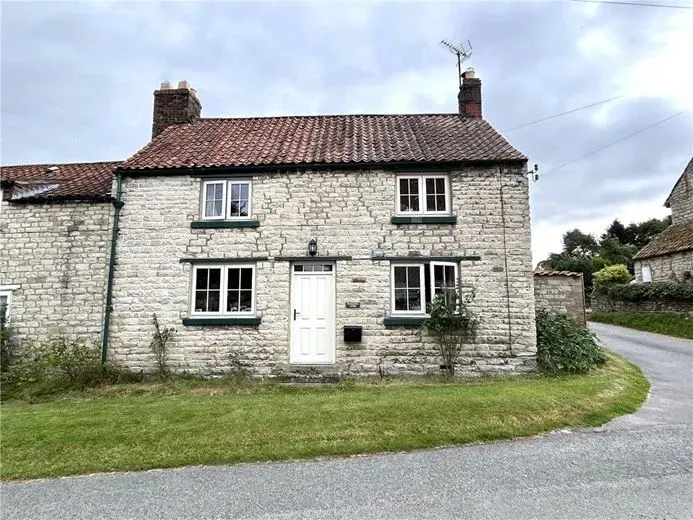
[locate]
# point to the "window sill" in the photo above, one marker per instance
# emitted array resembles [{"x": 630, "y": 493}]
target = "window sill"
[
  {"x": 416, "y": 321},
  {"x": 425, "y": 219},
  {"x": 194, "y": 322},
  {"x": 219, "y": 224}
]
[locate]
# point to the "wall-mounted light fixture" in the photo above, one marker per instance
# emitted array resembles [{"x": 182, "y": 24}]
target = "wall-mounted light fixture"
[{"x": 313, "y": 247}]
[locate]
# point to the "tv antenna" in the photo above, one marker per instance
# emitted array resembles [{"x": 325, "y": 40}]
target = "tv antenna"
[{"x": 463, "y": 51}]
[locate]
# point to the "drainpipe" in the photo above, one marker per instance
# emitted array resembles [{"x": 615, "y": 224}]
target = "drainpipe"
[
  {"x": 117, "y": 204},
  {"x": 505, "y": 259}
]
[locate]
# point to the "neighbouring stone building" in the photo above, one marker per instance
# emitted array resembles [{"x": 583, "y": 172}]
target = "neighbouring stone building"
[
  {"x": 55, "y": 224},
  {"x": 290, "y": 244},
  {"x": 561, "y": 292},
  {"x": 669, "y": 256}
]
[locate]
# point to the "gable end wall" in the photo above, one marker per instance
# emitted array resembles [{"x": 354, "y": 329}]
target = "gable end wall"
[{"x": 681, "y": 200}]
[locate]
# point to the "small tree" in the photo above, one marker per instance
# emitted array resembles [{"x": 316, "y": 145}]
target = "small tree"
[
  {"x": 453, "y": 324},
  {"x": 159, "y": 347}
]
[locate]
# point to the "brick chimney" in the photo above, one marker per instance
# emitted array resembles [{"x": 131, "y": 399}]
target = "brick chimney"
[
  {"x": 469, "y": 98},
  {"x": 174, "y": 106}
]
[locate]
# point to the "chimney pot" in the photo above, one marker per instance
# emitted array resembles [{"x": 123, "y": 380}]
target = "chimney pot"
[
  {"x": 183, "y": 84},
  {"x": 469, "y": 98},
  {"x": 165, "y": 85}
]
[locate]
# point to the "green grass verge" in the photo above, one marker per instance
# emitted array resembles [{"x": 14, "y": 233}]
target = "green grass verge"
[
  {"x": 187, "y": 423},
  {"x": 669, "y": 324}
]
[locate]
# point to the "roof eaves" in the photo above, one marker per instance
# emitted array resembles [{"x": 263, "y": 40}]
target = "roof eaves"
[{"x": 265, "y": 168}]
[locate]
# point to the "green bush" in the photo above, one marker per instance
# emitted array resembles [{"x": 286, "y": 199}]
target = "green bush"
[
  {"x": 453, "y": 324},
  {"x": 655, "y": 291},
  {"x": 58, "y": 365},
  {"x": 563, "y": 346},
  {"x": 609, "y": 276}
]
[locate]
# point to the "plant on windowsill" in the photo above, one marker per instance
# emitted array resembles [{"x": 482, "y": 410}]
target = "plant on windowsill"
[{"x": 453, "y": 324}]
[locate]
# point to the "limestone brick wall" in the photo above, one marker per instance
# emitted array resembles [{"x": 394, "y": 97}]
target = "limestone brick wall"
[
  {"x": 602, "y": 303},
  {"x": 54, "y": 259},
  {"x": 681, "y": 201},
  {"x": 667, "y": 268},
  {"x": 561, "y": 294},
  {"x": 348, "y": 213}
]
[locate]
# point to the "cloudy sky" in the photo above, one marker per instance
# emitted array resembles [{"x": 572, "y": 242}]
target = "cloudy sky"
[{"x": 77, "y": 81}]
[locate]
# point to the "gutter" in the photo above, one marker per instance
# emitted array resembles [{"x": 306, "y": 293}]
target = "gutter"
[{"x": 117, "y": 204}]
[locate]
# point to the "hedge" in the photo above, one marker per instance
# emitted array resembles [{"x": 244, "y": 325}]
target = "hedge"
[{"x": 655, "y": 291}]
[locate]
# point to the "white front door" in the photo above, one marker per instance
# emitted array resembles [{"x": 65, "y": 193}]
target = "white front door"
[{"x": 312, "y": 313}]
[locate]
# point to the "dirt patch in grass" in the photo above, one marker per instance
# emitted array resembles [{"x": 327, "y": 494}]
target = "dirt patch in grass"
[{"x": 183, "y": 423}]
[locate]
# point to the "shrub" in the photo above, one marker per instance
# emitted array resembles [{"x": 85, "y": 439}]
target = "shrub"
[
  {"x": 160, "y": 349},
  {"x": 563, "y": 346},
  {"x": 609, "y": 276},
  {"x": 655, "y": 291},
  {"x": 59, "y": 365},
  {"x": 4, "y": 345},
  {"x": 453, "y": 324}
]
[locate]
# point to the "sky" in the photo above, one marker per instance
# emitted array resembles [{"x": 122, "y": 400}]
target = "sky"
[{"x": 76, "y": 82}]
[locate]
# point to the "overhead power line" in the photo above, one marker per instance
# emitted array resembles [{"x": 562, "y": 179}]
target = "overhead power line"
[
  {"x": 639, "y": 4},
  {"x": 615, "y": 142},
  {"x": 562, "y": 114}
]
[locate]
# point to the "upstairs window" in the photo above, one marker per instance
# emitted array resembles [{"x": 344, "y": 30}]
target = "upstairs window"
[
  {"x": 415, "y": 285},
  {"x": 423, "y": 195},
  {"x": 223, "y": 290},
  {"x": 226, "y": 200}
]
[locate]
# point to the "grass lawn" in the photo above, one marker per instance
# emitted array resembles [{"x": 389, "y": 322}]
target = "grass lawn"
[
  {"x": 669, "y": 324},
  {"x": 184, "y": 423}
]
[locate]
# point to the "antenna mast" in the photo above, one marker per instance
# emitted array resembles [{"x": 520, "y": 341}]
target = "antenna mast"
[{"x": 463, "y": 51}]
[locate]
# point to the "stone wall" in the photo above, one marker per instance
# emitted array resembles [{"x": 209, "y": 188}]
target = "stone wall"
[
  {"x": 54, "y": 259},
  {"x": 602, "y": 303},
  {"x": 561, "y": 293},
  {"x": 681, "y": 198},
  {"x": 667, "y": 268},
  {"x": 349, "y": 213}
]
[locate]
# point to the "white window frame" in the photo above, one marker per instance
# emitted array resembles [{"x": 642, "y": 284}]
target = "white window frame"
[
  {"x": 431, "y": 266},
  {"x": 421, "y": 179},
  {"x": 431, "y": 273},
  {"x": 8, "y": 311},
  {"x": 228, "y": 197},
  {"x": 223, "y": 200},
  {"x": 224, "y": 290},
  {"x": 422, "y": 280},
  {"x": 646, "y": 269}
]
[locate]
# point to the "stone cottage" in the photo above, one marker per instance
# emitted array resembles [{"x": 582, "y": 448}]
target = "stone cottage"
[
  {"x": 290, "y": 244},
  {"x": 669, "y": 256}
]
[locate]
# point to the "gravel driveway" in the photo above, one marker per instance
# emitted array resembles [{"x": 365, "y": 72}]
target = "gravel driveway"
[{"x": 637, "y": 466}]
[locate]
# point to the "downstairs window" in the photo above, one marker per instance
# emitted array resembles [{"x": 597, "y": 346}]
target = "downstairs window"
[
  {"x": 223, "y": 290},
  {"x": 415, "y": 285}
]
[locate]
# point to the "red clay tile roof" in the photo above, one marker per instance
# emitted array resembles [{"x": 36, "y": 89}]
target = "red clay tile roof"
[
  {"x": 306, "y": 140},
  {"x": 674, "y": 239},
  {"x": 73, "y": 181},
  {"x": 546, "y": 272}
]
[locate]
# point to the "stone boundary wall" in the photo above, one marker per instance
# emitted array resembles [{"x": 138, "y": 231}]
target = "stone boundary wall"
[
  {"x": 602, "y": 303},
  {"x": 561, "y": 292}
]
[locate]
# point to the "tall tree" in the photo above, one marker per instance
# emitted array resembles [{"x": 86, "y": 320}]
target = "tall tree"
[{"x": 577, "y": 243}]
